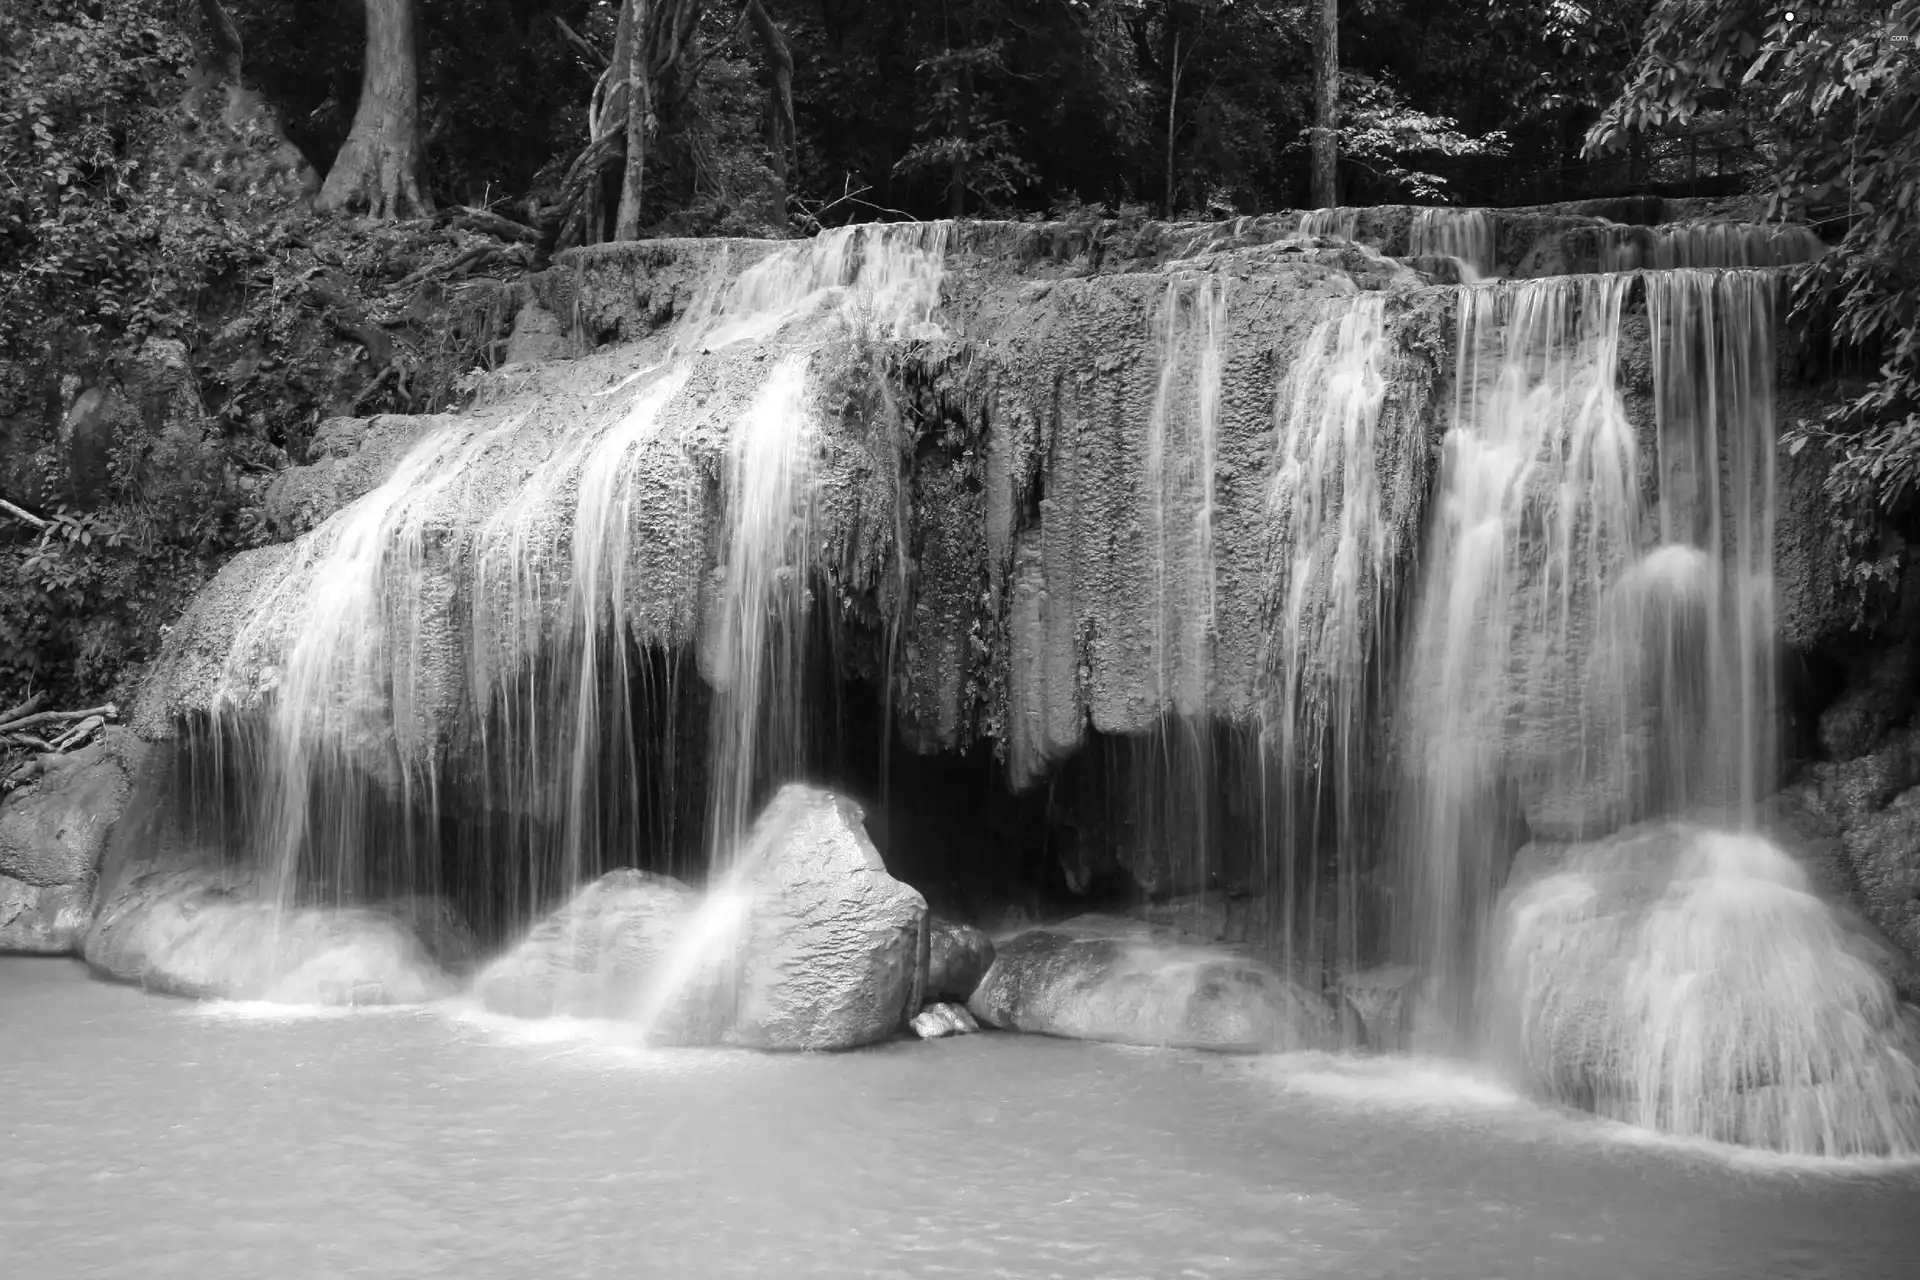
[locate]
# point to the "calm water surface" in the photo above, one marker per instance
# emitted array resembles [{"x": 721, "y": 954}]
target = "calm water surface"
[{"x": 141, "y": 1136}]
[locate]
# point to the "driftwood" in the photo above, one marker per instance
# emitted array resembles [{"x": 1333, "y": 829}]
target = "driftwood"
[
  {"x": 489, "y": 223},
  {"x": 106, "y": 711},
  {"x": 20, "y": 513},
  {"x": 29, "y": 741},
  {"x": 30, "y": 705}
]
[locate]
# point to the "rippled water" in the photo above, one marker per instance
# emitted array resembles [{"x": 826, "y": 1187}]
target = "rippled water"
[{"x": 141, "y": 1136}]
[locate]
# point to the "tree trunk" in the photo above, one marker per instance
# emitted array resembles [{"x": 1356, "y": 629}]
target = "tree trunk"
[
  {"x": 1173, "y": 102},
  {"x": 380, "y": 169},
  {"x": 626, "y": 224},
  {"x": 780, "y": 132},
  {"x": 1326, "y": 106}
]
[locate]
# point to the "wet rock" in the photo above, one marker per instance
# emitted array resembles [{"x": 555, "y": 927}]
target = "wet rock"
[
  {"x": 1879, "y": 694},
  {"x": 200, "y": 934},
  {"x": 42, "y": 919},
  {"x": 350, "y": 457},
  {"x": 1099, "y": 978},
  {"x": 53, "y": 829},
  {"x": 536, "y": 336},
  {"x": 608, "y": 953},
  {"x": 1382, "y": 1002},
  {"x": 830, "y": 951},
  {"x": 1211, "y": 916},
  {"x": 943, "y": 1019},
  {"x": 97, "y": 420},
  {"x": 53, "y": 832},
  {"x": 958, "y": 956},
  {"x": 1694, "y": 981},
  {"x": 1884, "y": 849}
]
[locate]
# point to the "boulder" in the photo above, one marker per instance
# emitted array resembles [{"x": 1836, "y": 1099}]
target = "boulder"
[
  {"x": 42, "y": 919},
  {"x": 1879, "y": 694},
  {"x": 830, "y": 954},
  {"x": 805, "y": 943},
  {"x": 196, "y": 933},
  {"x": 614, "y": 951},
  {"x": 1098, "y": 978},
  {"x": 958, "y": 956},
  {"x": 1693, "y": 981},
  {"x": 53, "y": 830},
  {"x": 943, "y": 1019}
]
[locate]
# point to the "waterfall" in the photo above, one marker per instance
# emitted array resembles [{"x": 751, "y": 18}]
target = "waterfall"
[
  {"x": 1593, "y": 641},
  {"x": 1333, "y": 224},
  {"x": 1535, "y": 508},
  {"x": 1182, "y": 437},
  {"x": 1709, "y": 244},
  {"x": 588, "y": 547},
  {"x": 1465, "y": 235},
  {"x": 1335, "y": 553}
]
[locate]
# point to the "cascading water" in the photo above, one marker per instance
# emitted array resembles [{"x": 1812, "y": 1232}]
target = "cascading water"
[
  {"x": 1182, "y": 442},
  {"x": 1333, "y": 565},
  {"x": 1465, "y": 235},
  {"x": 1333, "y": 224},
  {"x": 1536, "y": 507},
  {"x": 1710, "y": 244},
  {"x": 547, "y": 680}
]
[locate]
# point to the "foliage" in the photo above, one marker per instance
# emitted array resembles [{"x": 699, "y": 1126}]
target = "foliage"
[
  {"x": 1838, "y": 89},
  {"x": 1380, "y": 133}
]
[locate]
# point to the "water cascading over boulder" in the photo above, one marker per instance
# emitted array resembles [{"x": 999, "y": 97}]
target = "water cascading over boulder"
[
  {"x": 1691, "y": 980},
  {"x": 802, "y": 942},
  {"x": 1098, "y": 978}
]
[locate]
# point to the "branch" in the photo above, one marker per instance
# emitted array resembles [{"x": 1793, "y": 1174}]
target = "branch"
[
  {"x": 106, "y": 711},
  {"x": 20, "y": 513},
  {"x": 15, "y": 713},
  {"x": 578, "y": 41}
]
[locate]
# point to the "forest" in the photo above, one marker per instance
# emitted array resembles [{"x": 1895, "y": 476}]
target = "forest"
[{"x": 224, "y": 222}]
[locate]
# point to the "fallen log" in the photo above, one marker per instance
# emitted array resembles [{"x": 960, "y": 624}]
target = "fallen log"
[
  {"x": 107, "y": 711},
  {"x": 31, "y": 704},
  {"x": 28, "y": 741},
  {"x": 79, "y": 733}
]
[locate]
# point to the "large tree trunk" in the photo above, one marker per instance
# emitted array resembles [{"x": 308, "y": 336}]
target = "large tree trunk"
[
  {"x": 626, "y": 225},
  {"x": 380, "y": 170},
  {"x": 780, "y": 131},
  {"x": 1326, "y": 106}
]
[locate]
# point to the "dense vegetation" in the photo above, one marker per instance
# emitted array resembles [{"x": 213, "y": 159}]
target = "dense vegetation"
[{"x": 176, "y": 315}]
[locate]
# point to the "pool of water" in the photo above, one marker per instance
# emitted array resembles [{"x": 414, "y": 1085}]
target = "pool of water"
[{"x": 142, "y": 1136}]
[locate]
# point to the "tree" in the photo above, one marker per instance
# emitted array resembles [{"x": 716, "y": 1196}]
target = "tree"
[
  {"x": 381, "y": 169},
  {"x": 1837, "y": 90},
  {"x": 1326, "y": 105}
]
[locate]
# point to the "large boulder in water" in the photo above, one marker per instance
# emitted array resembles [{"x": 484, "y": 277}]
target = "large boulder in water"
[
  {"x": 1691, "y": 980},
  {"x": 830, "y": 954},
  {"x": 53, "y": 831},
  {"x": 195, "y": 933},
  {"x": 1095, "y": 978},
  {"x": 805, "y": 943},
  {"x": 615, "y": 951}
]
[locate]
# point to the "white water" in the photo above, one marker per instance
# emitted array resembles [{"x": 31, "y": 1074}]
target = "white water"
[
  {"x": 1535, "y": 509},
  {"x": 1465, "y": 235},
  {"x": 1336, "y": 558},
  {"x": 1737, "y": 1006}
]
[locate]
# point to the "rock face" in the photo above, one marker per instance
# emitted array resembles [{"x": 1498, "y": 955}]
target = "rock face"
[
  {"x": 1692, "y": 981},
  {"x": 195, "y": 933},
  {"x": 958, "y": 956},
  {"x": 1098, "y": 978},
  {"x": 52, "y": 833},
  {"x": 807, "y": 944}
]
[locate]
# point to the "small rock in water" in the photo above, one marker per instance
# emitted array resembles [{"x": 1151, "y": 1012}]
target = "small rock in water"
[
  {"x": 958, "y": 956},
  {"x": 943, "y": 1019},
  {"x": 1381, "y": 998}
]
